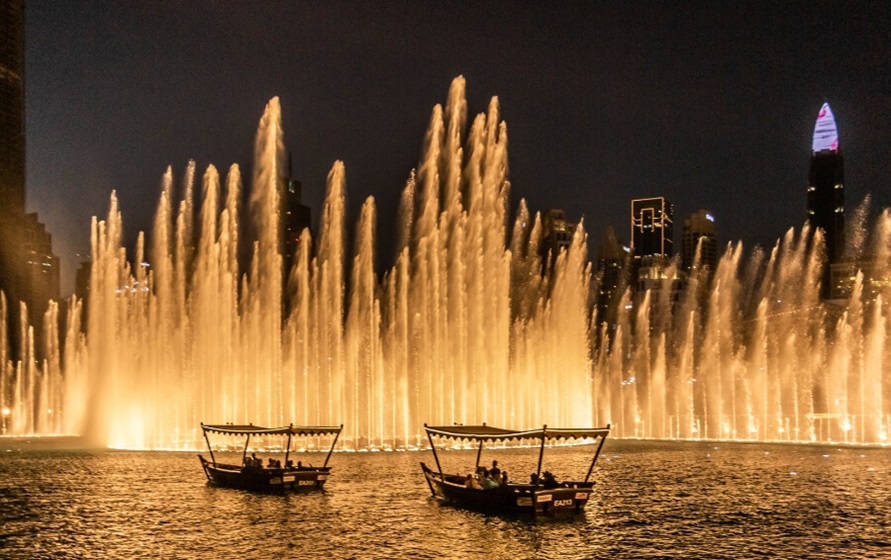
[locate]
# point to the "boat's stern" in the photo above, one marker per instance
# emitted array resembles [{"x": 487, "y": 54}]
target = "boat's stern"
[{"x": 558, "y": 500}]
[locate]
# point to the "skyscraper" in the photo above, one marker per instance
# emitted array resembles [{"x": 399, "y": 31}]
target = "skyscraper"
[
  {"x": 296, "y": 217},
  {"x": 12, "y": 144},
  {"x": 612, "y": 269},
  {"x": 12, "y": 107},
  {"x": 653, "y": 270},
  {"x": 29, "y": 271},
  {"x": 700, "y": 233},
  {"x": 652, "y": 228},
  {"x": 826, "y": 186},
  {"x": 556, "y": 235}
]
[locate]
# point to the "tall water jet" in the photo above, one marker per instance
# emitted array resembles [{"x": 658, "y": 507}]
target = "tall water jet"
[{"x": 192, "y": 339}]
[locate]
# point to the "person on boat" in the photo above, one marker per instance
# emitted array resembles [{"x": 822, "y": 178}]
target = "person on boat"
[
  {"x": 550, "y": 481},
  {"x": 495, "y": 472},
  {"x": 488, "y": 483},
  {"x": 533, "y": 479},
  {"x": 253, "y": 462},
  {"x": 502, "y": 482},
  {"x": 270, "y": 464},
  {"x": 473, "y": 482},
  {"x": 289, "y": 464}
]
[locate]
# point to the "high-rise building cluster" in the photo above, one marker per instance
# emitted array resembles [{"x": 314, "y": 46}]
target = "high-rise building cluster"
[
  {"x": 652, "y": 266},
  {"x": 29, "y": 271}
]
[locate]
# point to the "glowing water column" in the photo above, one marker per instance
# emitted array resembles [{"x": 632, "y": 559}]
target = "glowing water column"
[{"x": 434, "y": 340}]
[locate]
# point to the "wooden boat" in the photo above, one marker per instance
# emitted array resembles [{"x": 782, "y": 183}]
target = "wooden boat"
[
  {"x": 251, "y": 476},
  {"x": 543, "y": 498}
]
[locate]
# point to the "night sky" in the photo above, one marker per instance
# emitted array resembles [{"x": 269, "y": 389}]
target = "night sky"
[{"x": 711, "y": 104}]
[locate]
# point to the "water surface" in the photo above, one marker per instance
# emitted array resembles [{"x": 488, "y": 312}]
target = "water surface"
[{"x": 653, "y": 500}]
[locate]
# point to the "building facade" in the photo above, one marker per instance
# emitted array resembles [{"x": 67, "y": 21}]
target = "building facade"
[
  {"x": 699, "y": 243},
  {"x": 612, "y": 272},
  {"x": 556, "y": 236}
]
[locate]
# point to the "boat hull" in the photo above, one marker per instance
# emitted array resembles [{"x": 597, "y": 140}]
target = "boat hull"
[
  {"x": 569, "y": 498},
  {"x": 265, "y": 480}
]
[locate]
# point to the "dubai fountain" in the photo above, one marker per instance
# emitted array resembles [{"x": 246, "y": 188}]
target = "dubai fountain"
[{"x": 463, "y": 327}]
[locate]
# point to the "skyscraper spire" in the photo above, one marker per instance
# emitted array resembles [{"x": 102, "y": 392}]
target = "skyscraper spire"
[{"x": 825, "y": 131}]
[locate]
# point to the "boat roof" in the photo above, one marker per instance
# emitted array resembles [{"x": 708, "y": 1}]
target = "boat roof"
[
  {"x": 250, "y": 429},
  {"x": 492, "y": 433}
]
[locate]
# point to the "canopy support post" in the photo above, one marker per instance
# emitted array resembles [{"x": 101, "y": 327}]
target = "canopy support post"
[
  {"x": 478, "y": 453},
  {"x": 435, "y": 456},
  {"x": 330, "y": 451},
  {"x": 288, "y": 448},
  {"x": 244, "y": 455},
  {"x": 596, "y": 454},
  {"x": 544, "y": 438},
  {"x": 209, "y": 448}
]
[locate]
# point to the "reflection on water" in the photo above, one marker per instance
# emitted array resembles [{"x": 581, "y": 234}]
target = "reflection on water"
[{"x": 655, "y": 500}]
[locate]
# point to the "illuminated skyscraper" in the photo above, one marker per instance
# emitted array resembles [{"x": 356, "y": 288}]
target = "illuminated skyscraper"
[
  {"x": 826, "y": 192},
  {"x": 652, "y": 228},
  {"x": 653, "y": 270},
  {"x": 826, "y": 185}
]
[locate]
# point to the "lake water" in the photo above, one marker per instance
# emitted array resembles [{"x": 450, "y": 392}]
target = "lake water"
[{"x": 653, "y": 500}]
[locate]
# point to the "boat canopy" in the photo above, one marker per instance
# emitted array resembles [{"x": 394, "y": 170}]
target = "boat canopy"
[
  {"x": 491, "y": 433},
  {"x": 251, "y": 430}
]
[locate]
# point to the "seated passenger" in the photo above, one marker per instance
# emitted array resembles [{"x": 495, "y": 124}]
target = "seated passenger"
[
  {"x": 495, "y": 472},
  {"x": 252, "y": 462},
  {"x": 503, "y": 480},
  {"x": 475, "y": 483},
  {"x": 550, "y": 481},
  {"x": 533, "y": 479},
  {"x": 289, "y": 464},
  {"x": 488, "y": 484}
]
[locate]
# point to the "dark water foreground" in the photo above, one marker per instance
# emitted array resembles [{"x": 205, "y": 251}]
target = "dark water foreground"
[{"x": 656, "y": 500}]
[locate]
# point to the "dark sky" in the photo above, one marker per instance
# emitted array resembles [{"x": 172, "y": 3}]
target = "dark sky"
[{"x": 711, "y": 104}]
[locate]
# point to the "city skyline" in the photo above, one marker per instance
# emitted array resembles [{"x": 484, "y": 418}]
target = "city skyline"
[{"x": 602, "y": 105}]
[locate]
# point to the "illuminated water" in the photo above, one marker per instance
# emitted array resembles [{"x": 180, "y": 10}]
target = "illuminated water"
[
  {"x": 655, "y": 500},
  {"x": 461, "y": 328}
]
